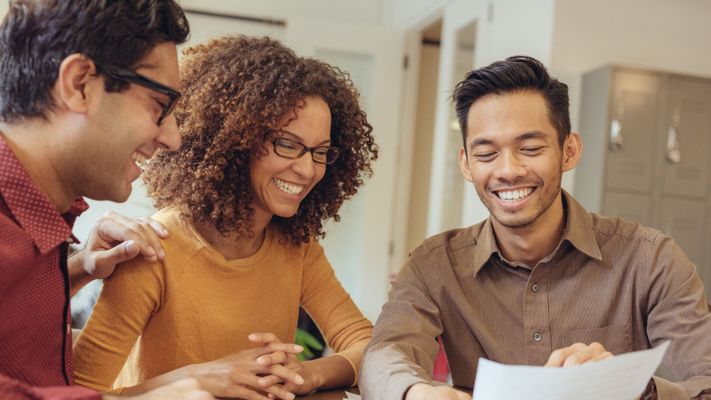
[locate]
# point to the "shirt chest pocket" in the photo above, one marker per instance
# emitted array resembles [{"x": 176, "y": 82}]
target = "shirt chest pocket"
[{"x": 616, "y": 339}]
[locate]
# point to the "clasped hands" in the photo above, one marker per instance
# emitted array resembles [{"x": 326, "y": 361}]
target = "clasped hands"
[
  {"x": 575, "y": 354},
  {"x": 270, "y": 371}
]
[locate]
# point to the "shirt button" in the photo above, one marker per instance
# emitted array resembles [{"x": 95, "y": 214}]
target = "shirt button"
[
  {"x": 537, "y": 337},
  {"x": 69, "y": 329},
  {"x": 535, "y": 288}
]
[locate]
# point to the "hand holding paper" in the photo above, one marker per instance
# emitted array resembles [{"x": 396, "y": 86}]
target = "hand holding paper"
[
  {"x": 623, "y": 377},
  {"x": 577, "y": 354}
]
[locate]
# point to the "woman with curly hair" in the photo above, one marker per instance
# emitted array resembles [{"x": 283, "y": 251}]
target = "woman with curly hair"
[{"x": 273, "y": 144}]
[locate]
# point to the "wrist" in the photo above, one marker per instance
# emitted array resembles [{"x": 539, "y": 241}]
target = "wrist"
[
  {"x": 78, "y": 276},
  {"x": 313, "y": 374},
  {"x": 417, "y": 391},
  {"x": 191, "y": 371},
  {"x": 75, "y": 258}
]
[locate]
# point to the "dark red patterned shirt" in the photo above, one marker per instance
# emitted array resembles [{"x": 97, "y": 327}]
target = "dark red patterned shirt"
[{"x": 35, "y": 334}]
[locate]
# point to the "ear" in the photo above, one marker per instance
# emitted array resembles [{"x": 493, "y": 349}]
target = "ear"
[
  {"x": 464, "y": 164},
  {"x": 76, "y": 80},
  {"x": 572, "y": 150}
]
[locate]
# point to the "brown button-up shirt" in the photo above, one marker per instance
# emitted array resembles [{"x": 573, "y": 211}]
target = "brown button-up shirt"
[{"x": 615, "y": 282}]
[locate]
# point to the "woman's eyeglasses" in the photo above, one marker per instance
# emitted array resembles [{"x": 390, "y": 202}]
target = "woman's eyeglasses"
[{"x": 287, "y": 148}]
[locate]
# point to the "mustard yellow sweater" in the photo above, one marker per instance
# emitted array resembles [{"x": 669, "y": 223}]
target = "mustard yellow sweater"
[{"x": 196, "y": 306}]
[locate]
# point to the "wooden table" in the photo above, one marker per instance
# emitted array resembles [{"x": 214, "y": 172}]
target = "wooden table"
[{"x": 337, "y": 394}]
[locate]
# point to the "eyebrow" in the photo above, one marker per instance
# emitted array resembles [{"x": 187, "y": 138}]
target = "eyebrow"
[
  {"x": 525, "y": 136},
  {"x": 145, "y": 64},
  {"x": 532, "y": 135},
  {"x": 296, "y": 136}
]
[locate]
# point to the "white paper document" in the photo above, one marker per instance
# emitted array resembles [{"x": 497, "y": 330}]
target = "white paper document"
[
  {"x": 622, "y": 377},
  {"x": 351, "y": 396}
]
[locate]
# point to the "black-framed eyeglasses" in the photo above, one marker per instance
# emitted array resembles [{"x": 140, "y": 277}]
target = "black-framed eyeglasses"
[
  {"x": 287, "y": 148},
  {"x": 126, "y": 75}
]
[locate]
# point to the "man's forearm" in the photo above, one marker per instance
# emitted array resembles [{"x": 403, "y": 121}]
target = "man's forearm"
[
  {"x": 22, "y": 391},
  {"x": 387, "y": 373}
]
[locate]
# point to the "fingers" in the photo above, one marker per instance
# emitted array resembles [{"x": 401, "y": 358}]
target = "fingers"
[
  {"x": 269, "y": 380},
  {"x": 272, "y": 358},
  {"x": 271, "y": 344},
  {"x": 602, "y": 356},
  {"x": 577, "y": 354},
  {"x": 584, "y": 355},
  {"x": 286, "y": 374},
  {"x": 263, "y": 337},
  {"x": 102, "y": 263},
  {"x": 247, "y": 386},
  {"x": 113, "y": 228},
  {"x": 558, "y": 357},
  {"x": 157, "y": 227},
  {"x": 274, "y": 347},
  {"x": 277, "y": 391},
  {"x": 243, "y": 392},
  {"x": 120, "y": 253}
]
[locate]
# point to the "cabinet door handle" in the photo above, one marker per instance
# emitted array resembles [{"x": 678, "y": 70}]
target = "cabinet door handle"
[
  {"x": 673, "y": 155},
  {"x": 615, "y": 136}
]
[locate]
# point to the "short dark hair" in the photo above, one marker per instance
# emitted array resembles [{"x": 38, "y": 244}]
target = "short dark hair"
[
  {"x": 36, "y": 35},
  {"x": 515, "y": 74}
]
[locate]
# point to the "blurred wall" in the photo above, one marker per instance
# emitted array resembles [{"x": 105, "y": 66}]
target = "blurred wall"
[
  {"x": 575, "y": 36},
  {"x": 367, "y": 12},
  {"x": 661, "y": 35}
]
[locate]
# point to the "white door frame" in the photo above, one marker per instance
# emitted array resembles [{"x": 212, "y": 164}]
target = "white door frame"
[{"x": 386, "y": 47}]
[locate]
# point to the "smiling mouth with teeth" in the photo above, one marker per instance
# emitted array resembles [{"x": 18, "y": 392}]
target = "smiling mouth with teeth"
[
  {"x": 514, "y": 195},
  {"x": 140, "y": 160},
  {"x": 288, "y": 188}
]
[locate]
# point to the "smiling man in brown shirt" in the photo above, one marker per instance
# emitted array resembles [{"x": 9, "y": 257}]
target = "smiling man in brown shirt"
[{"x": 541, "y": 281}]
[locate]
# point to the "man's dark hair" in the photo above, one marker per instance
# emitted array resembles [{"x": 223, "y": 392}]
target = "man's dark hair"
[
  {"x": 515, "y": 74},
  {"x": 36, "y": 35}
]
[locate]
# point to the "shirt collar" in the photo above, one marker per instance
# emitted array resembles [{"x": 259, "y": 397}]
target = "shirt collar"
[
  {"x": 578, "y": 231},
  {"x": 31, "y": 208},
  {"x": 579, "y": 228},
  {"x": 485, "y": 245}
]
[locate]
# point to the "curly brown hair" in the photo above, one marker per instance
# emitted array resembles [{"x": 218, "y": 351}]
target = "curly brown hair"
[{"x": 236, "y": 90}]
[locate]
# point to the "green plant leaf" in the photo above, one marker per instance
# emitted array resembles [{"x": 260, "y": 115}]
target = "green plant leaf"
[{"x": 308, "y": 342}]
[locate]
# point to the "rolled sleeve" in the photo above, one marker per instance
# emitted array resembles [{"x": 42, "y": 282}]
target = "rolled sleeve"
[{"x": 404, "y": 344}]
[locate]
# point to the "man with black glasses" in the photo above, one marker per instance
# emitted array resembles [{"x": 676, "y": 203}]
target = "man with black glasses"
[{"x": 86, "y": 93}]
